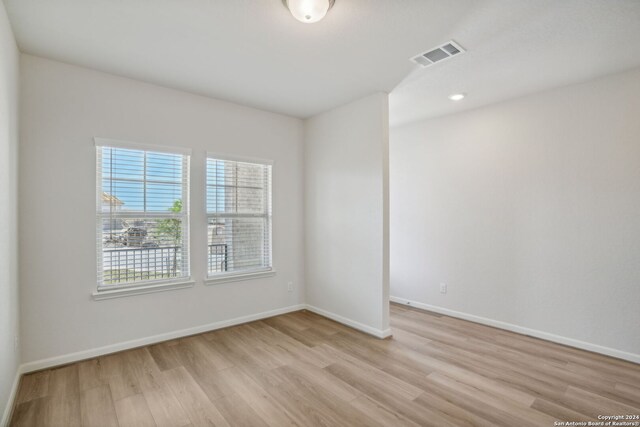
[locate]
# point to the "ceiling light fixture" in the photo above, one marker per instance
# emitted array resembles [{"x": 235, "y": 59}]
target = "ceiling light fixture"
[
  {"x": 457, "y": 96},
  {"x": 308, "y": 11}
]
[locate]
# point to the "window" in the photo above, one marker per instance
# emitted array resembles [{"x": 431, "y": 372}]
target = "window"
[
  {"x": 142, "y": 215},
  {"x": 238, "y": 216}
]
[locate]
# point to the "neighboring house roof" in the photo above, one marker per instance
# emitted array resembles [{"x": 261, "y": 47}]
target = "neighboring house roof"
[{"x": 108, "y": 199}]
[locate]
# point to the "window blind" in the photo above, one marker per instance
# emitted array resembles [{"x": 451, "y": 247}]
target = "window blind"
[
  {"x": 239, "y": 216},
  {"x": 142, "y": 215}
]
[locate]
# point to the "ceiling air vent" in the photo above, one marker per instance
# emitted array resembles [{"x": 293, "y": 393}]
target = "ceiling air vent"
[{"x": 439, "y": 54}]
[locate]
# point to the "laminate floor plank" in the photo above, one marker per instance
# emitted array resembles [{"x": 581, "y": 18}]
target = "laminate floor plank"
[
  {"x": 63, "y": 410},
  {"x": 33, "y": 386},
  {"x": 388, "y": 398},
  {"x": 308, "y": 373},
  {"x": 64, "y": 381},
  {"x": 374, "y": 378},
  {"x": 257, "y": 398},
  {"x": 472, "y": 404},
  {"x": 594, "y": 404},
  {"x": 558, "y": 411},
  {"x": 454, "y": 413},
  {"x": 90, "y": 374},
  {"x": 521, "y": 411},
  {"x": 628, "y": 391},
  {"x": 311, "y": 405},
  {"x": 301, "y": 369},
  {"x": 165, "y": 407},
  {"x": 199, "y": 409},
  {"x": 97, "y": 407},
  {"x": 164, "y": 356},
  {"x": 133, "y": 411},
  {"x": 383, "y": 415},
  {"x": 31, "y": 413},
  {"x": 237, "y": 412}
]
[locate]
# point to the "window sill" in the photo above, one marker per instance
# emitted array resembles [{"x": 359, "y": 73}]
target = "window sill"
[
  {"x": 237, "y": 277},
  {"x": 141, "y": 290}
]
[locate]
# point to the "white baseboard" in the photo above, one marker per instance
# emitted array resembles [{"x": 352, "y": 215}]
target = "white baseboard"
[
  {"x": 113, "y": 348},
  {"x": 378, "y": 333},
  {"x": 126, "y": 345},
  {"x": 631, "y": 357},
  {"x": 6, "y": 414}
]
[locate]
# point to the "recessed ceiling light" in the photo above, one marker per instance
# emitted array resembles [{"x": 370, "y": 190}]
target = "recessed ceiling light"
[
  {"x": 457, "y": 96},
  {"x": 308, "y": 11}
]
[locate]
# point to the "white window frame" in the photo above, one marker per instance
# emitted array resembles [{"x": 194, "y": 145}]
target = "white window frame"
[
  {"x": 144, "y": 286},
  {"x": 241, "y": 275}
]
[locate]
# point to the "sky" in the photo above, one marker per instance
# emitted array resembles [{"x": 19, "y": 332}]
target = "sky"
[{"x": 124, "y": 172}]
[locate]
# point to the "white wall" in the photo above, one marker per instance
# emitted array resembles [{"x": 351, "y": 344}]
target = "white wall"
[
  {"x": 528, "y": 210},
  {"x": 63, "y": 108},
  {"x": 346, "y": 206},
  {"x": 9, "y": 307}
]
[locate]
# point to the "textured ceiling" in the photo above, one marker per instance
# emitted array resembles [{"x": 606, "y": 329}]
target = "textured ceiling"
[
  {"x": 521, "y": 47},
  {"x": 247, "y": 51},
  {"x": 255, "y": 53}
]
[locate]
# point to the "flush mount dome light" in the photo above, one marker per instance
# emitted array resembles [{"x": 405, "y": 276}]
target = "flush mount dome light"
[
  {"x": 457, "y": 96},
  {"x": 308, "y": 11}
]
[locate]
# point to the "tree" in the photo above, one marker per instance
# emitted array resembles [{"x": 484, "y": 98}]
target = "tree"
[{"x": 170, "y": 229}]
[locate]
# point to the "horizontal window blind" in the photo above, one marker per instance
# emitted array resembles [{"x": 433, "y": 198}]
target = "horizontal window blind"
[
  {"x": 142, "y": 216},
  {"x": 239, "y": 216}
]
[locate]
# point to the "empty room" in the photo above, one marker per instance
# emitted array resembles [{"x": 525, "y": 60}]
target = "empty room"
[{"x": 319, "y": 213}]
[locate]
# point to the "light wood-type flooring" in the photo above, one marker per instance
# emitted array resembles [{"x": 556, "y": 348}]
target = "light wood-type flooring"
[{"x": 302, "y": 369}]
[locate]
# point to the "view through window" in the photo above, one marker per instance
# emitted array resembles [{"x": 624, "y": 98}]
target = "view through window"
[
  {"x": 239, "y": 216},
  {"x": 143, "y": 215}
]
